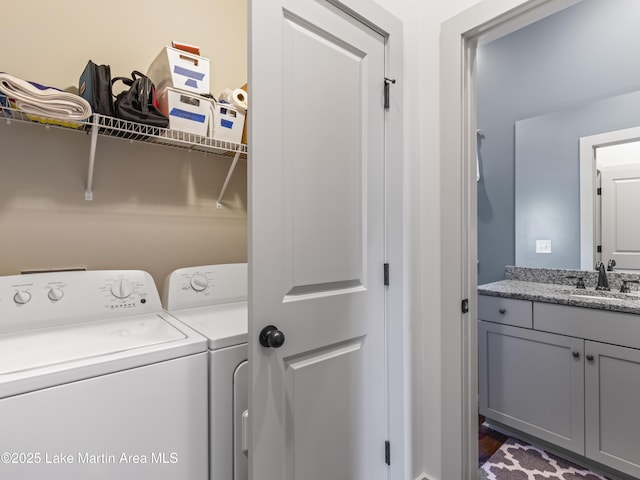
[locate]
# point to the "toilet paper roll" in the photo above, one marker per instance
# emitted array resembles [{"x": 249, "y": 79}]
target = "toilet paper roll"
[
  {"x": 237, "y": 97},
  {"x": 241, "y": 98}
]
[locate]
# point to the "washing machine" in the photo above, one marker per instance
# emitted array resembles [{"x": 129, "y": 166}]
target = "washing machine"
[
  {"x": 212, "y": 300},
  {"x": 97, "y": 381}
]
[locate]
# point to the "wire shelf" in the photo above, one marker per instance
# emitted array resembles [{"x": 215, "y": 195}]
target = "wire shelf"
[
  {"x": 111, "y": 126},
  {"x": 116, "y": 127},
  {"x": 101, "y": 125}
]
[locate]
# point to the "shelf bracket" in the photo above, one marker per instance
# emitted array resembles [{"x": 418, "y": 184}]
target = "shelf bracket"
[
  {"x": 88, "y": 193},
  {"x": 226, "y": 180}
]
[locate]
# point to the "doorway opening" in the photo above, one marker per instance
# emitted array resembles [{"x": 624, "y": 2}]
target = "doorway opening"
[
  {"x": 461, "y": 61},
  {"x": 460, "y": 37},
  {"x": 536, "y": 100}
]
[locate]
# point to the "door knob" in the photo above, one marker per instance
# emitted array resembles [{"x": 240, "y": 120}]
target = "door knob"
[
  {"x": 271, "y": 337},
  {"x": 590, "y": 358},
  {"x": 575, "y": 354}
]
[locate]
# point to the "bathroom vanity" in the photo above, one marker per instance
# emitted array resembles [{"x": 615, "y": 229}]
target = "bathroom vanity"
[{"x": 563, "y": 364}]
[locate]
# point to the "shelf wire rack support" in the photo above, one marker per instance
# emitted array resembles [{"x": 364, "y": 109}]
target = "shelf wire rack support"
[
  {"x": 105, "y": 126},
  {"x": 226, "y": 180},
  {"x": 88, "y": 193}
]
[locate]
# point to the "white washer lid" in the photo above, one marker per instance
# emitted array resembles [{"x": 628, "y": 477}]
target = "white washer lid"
[
  {"x": 224, "y": 325},
  {"x": 28, "y": 350}
]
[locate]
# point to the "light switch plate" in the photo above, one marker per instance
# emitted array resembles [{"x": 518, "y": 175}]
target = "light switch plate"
[{"x": 543, "y": 246}]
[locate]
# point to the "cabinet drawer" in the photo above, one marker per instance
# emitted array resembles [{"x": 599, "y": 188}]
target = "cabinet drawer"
[
  {"x": 507, "y": 311},
  {"x": 589, "y": 323}
]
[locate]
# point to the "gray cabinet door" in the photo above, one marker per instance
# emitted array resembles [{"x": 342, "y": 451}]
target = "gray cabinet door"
[
  {"x": 534, "y": 382},
  {"x": 612, "y": 422}
]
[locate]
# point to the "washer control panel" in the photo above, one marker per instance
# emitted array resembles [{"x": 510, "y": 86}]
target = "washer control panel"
[
  {"x": 205, "y": 285},
  {"x": 57, "y": 298}
]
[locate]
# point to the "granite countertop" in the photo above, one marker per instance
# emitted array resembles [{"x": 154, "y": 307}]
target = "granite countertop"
[{"x": 552, "y": 286}]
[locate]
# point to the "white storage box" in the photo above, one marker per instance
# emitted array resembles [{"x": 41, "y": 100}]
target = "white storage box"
[
  {"x": 187, "y": 112},
  {"x": 228, "y": 123},
  {"x": 179, "y": 69}
]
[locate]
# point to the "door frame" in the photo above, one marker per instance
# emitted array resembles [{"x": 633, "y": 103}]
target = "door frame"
[
  {"x": 397, "y": 321},
  {"x": 459, "y": 37}
]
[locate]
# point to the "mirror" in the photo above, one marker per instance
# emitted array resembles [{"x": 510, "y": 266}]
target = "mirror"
[
  {"x": 609, "y": 195},
  {"x": 555, "y": 203}
]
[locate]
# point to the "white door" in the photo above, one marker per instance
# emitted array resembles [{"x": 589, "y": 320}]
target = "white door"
[
  {"x": 620, "y": 228},
  {"x": 318, "y": 403}
]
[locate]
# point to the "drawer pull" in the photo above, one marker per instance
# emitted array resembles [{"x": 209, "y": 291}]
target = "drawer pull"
[{"x": 502, "y": 311}]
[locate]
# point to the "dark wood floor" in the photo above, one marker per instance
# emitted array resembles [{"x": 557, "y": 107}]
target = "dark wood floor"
[{"x": 488, "y": 441}]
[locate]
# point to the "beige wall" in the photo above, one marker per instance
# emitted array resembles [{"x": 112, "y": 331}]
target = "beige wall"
[
  {"x": 54, "y": 40},
  {"x": 154, "y": 208}
]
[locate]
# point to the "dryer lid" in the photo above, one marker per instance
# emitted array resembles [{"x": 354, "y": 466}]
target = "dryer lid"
[{"x": 223, "y": 325}]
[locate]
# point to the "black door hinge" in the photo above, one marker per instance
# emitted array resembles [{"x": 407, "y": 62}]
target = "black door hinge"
[
  {"x": 599, "y": 191},
  {"x": 386, "y": 274},
  {"x": 387, "y": 81},
  {"x": 599, "y": 249},
  {"x": 465, "y": 305},
  {"x": 387, "y": 452}
]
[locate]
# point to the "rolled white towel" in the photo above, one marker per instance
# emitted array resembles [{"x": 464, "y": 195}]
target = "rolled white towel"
[{"x": 42, "y": 101}]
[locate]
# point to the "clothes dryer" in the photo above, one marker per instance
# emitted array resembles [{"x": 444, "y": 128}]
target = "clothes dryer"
[
  {"x": 212, "y": 300},
  {"x": 96, "y": 381}
]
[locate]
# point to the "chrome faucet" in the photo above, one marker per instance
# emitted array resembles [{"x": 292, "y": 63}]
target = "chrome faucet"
[{"x": 603, "y": 283}]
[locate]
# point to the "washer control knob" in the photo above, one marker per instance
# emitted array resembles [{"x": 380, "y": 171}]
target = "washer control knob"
[
  {"x": 22, "y": 297},
  {"x": 199, "y": 282},
  {"x": 122, "y": 288},
  {"x": 55, "y": 294}
]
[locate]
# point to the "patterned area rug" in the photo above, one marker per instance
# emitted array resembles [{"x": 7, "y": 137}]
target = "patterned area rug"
[{"x": 516, "y": 460}]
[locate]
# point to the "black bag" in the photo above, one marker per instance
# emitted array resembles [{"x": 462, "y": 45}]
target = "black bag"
[
  {"x": 138, "y": 103},
  {"x": 95, "y": 88}
]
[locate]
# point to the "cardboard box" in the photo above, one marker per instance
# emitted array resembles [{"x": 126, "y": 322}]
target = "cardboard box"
[
  {"x": 187, "y": 112},
  {"x": 179, "y": 69},
  {"x": 228, "y": 123}
]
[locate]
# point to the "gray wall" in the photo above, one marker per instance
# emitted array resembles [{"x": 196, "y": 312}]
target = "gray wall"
[
  {"x": 547, "y": 177},
  {"x": 585, "y": 53}
]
